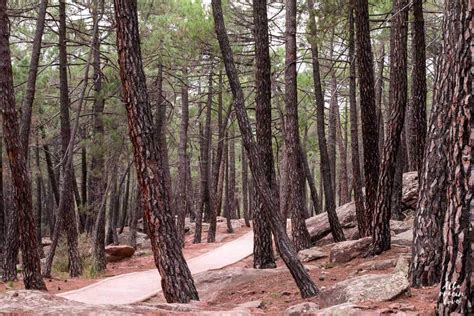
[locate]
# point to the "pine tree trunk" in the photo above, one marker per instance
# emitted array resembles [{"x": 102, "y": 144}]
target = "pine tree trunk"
[
  {"x": 232, "y": 183},
  {"x": 432, "y": 202},
  {"x": 456, "y": 293},
  {"x": 265, "y": 190},
  {"x": 245, "y": 177},
  {"x": 398, "y": 100},
  {"x": 182, "y": 186},
  {"x": 329, "y": 195},
  {"x": 417, "y": 113},
  {"x": 32, "y": 278},
  {"x": 217, "y": 171},
  {"x": 27, "y": 105},
  {"x": 3, "y": 218},
  {"x": 370, "y": 131},
  {"x": 177, "y": 282},
  {"x": 343, "y": 177},
  {"x": 39, "y": 200},
  {"x": 124, "y": 209},
  {"x": 205, "y": 199},
  {"x": 263, "y": 245},
  {"x": 310, "y": 179},
  {"x": 332, "y": 128},
  {"x": 300, "y": 235}
]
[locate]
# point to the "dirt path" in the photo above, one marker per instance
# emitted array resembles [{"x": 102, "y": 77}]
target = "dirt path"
[{"x": 138, "y": 286}]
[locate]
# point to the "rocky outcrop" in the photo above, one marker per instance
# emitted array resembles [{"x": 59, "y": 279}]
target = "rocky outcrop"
[
  {"x": 369, "y": 287},
  {"x": 311, "y": 254},
  {"x": 319, "y": 229},
  {"x": 36, "y": 302},
  {"x": 118, "y": 252},
  {"x": 347, "y": 250},
  {"x": 306, "y": 308},
  {"x": 318, "y": 226}
]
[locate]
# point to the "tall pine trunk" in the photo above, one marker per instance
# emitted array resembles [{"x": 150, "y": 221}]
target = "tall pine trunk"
[
  {"x": 370, "y": 132},
  {"x": 32, "y": 278},
  {"x": 177, "y": 282},
  {"x": 301, "y": 238},
  {"x": 398, "y": 100},
  {"x": 456, "y": 293},
  {"x": 329, "y": 194}
]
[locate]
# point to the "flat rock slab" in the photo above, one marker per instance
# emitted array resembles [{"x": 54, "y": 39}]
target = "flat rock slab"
[
  {"x": 311, "y": 254},
  {"x": 346, "y": 309},
  {"x": 369, "y": 287},
  {"x": 36, "y": 302},
  {"x": 118, "y": 252},
  {"x": 347, "y": 250}
]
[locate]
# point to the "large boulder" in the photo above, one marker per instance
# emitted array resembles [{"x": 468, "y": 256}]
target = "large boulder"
[
  {"x": 118, "y": 252},
  {"x": 311, "y": 254},
  {"x": 306, "y": 308},
  {"x": 410, "y": 190},
  {"x": 347, "y": 250},
  {"x": 318, "y": 226},
  {"x": 124, "y": 237},
  {"x": 369, "y": 287}
]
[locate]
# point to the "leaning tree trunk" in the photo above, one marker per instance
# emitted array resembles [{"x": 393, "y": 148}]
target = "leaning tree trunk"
[
  {"x": 398, "y": 99},
  {"x": 370, "y": 132},
  {"x": 432, "y": 200},
  {"x": 329, "y": 195},
  {"x": 417, "y": 117},
  {"x": 456, "y": 294},
  {"x": 263, "y": 257},
  {"x": 265, "y": 190},
  {"x": 32, "y": 278},
  {"x": 301, "y": 238},
  {"x": 177, "y": 281}
]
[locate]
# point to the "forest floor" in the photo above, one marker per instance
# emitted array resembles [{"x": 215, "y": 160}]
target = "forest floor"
[
  {"x": 141, "y": 261},
  {"x": 236, "y": 287}
]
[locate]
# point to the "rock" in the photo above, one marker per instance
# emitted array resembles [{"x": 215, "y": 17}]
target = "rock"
[
  {"x": 20, "y": 302},
  {"x": 318, "y": 226},
  {"x": 118, "y": 252},
  {"x": 398, "y": 227},
  {"x": 347, "y": 250},
  {"x": 310, "y": 254},
  {"x": 377, "y": 265},
  {"x": 403, "y": 266},
  {"x": 301, "y": 309},
  {"x": 404, "y": 239},
  {"x": 347, "y": 309},
  {"x": 369, "y": 287},
  {"x": 124, "y": 237},
  {"x": 410, "y": 189},
  {"x": 251, "y": 304},
  {"x": 351, "y": 233}
]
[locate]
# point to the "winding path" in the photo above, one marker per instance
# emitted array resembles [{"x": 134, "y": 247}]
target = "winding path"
[{"x": 138, "y": 286}]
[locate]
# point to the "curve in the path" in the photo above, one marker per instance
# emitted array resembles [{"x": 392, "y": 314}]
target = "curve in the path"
[{"x": 138, "y": 286}]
